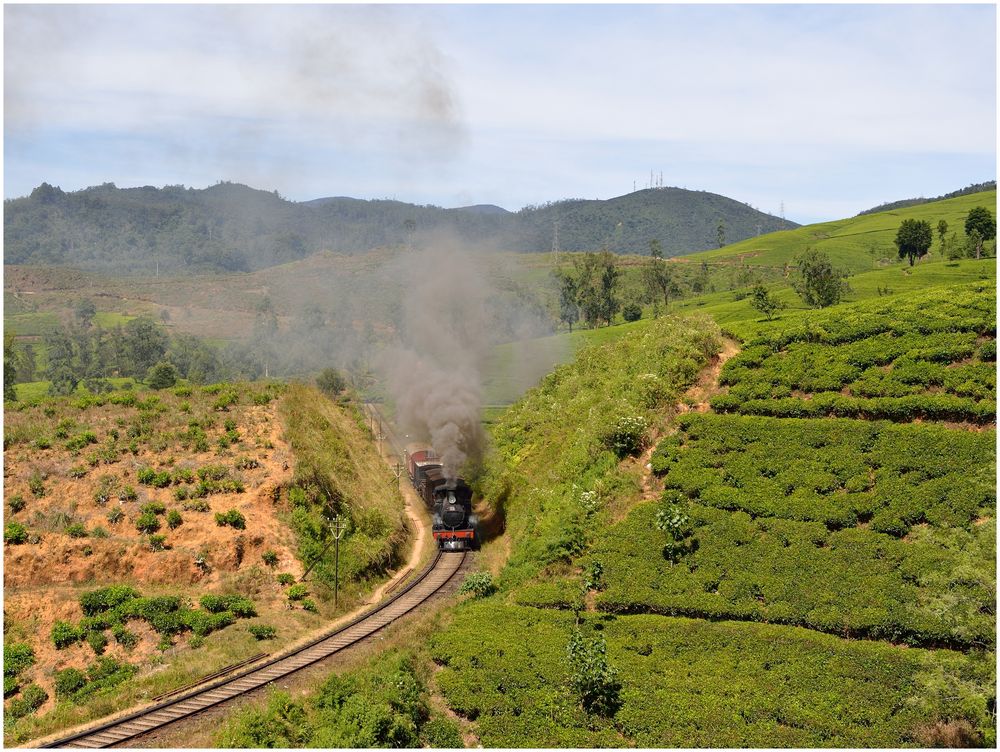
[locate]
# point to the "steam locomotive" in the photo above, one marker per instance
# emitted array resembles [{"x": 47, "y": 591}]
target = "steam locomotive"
[{"x": 454, "y": 524}]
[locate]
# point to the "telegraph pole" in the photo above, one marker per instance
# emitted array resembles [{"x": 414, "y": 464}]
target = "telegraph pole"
[{"x": 339, "y": 525}]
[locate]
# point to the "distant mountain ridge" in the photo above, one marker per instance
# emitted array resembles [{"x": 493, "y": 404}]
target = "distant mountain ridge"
[
  {"x": 989, "y": 185},
  {"x": 232, "y": 227}
]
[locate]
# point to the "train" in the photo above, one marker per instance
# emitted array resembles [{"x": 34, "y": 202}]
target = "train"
[{"x": 455, "y": 526}]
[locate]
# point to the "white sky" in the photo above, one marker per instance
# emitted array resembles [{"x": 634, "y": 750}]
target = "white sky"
[{"x": 829, "y": 109}]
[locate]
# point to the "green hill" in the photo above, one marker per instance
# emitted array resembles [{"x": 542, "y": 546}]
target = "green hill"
[
  {"x": 234, "y": 228},
  {"x": 856, "y": 244},
  {"x": 989, "y": 185}
]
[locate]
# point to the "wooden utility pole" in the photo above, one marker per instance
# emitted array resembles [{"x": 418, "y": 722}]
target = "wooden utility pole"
[{"x": 339, "y": 525}]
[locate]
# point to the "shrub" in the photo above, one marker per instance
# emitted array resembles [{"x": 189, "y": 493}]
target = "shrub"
[
  {"x": 36, "y": 484},
  {"x": 270, "y": 558},
  {"x": 480, "y": 584},
  {"x": 297, "y": 592},
  {"x": 16, "y": 503},
  {"x": 124, "y": 637},
  {"x": 65, "y": 634},
  {"x": 163, "y": 375},
  {"x": 17, "y": 657},
  {"x": 627, "y": 437},
  {"x": 310, "y": 605},
  {"x": 632, "y": 312},
  {"x": 149, "y": 477},
  {"x": 233, "y": 518},
  {"x": 153, "y": 507},
  {"x": 591, "y": 677},
  {"x": 104, "y": 599},
  {"x": 183, "y": 475},
  {"x": 182, "y": 391},
  {"x": 115, "y": 516},
  {"x": 31, "y": 699},
  {"x": 147, "y": 523},
  {"x": 262, "y": 632},
  {"x": 15, "y": 533},
  {"x": 284, "y": 578},
  {"x": 174, "y": 519},
  {"x": 236, "y": 604},
  {"x": 331, "y": 382},
  {"x": 76, "y": 530},
  {"x": 78, "y": 471},
  {"x": 97, "y": 641},
  {"x": 80, "y": 441},
  {"x": 196, "y": 505},
  {"x": 247, "y": 463},
  {"x": 128, "y": 494}
]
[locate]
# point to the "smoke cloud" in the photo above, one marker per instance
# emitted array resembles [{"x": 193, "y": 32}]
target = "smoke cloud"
[{"x": 435, "y": 370}]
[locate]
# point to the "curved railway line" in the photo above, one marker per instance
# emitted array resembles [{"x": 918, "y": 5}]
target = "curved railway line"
[{"x": 442, "y": 569}]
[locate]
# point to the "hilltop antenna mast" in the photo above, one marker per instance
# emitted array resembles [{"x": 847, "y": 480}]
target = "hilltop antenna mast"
[{"x": 661, "y": 178}]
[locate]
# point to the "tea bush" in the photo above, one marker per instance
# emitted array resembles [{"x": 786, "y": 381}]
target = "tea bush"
[
  {"x": 31, "y": 699},
  {"x": 233, "y": 518},
  {"x": 693, "y": 683},
  {"x": 262, "y": 632},
  {"x": 874, "y": 360},
  {"x": 14, "y": 533},
  {"x": 838, "y": 472}
]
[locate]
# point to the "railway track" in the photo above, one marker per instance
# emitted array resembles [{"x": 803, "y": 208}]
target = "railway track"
[{"x": 435, "y": 576}]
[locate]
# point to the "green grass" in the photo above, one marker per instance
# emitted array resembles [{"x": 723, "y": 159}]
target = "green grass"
[
  {"x": 111, "y": 319},
  {"x": 515, "y": 367},
  {"x": 31, "y": 324},
  {"x": 554, "y": 466},
  {"x": 847, "y": 241},
  {"x": 737, "y": 317},
  {"x": 34, "y": 392},
  {"x": 338, "y": 470}
]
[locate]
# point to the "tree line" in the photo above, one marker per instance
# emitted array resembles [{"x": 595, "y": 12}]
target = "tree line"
[{"x": 81, "y": 352}]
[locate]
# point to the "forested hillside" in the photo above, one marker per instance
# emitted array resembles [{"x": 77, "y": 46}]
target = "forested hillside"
[{"x": 230, "y": 227}]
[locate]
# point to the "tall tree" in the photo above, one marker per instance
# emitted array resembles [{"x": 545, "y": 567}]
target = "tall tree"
[
  {"x": 26, "y": 364},
  {"x": 610, "y": 274},
  {"x": 819, "y": 284},
  {"x": 569, "y": 308},
  {"x": 942, "y": 230},
  {"x": 980, "y": 220},
  {"x": 588, "y": 293},
  {"x": 10, "y": 366},
  {"x": 720, "y": 233},
  {"x": 62, "y": 373},
  {"x": 145, "y": 345},
  {"x": 657, "y": 275},
  {"x": 913, "y": 239},
  {"x": 86, "y": 311}
]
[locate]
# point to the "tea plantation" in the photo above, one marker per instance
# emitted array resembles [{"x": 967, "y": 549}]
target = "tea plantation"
[
  {"x": 694, "y": 683},
  {"x": 929, "y": 355},
  {"x": 837, "y": 472},
  {"x": 817, "y": 569}
]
